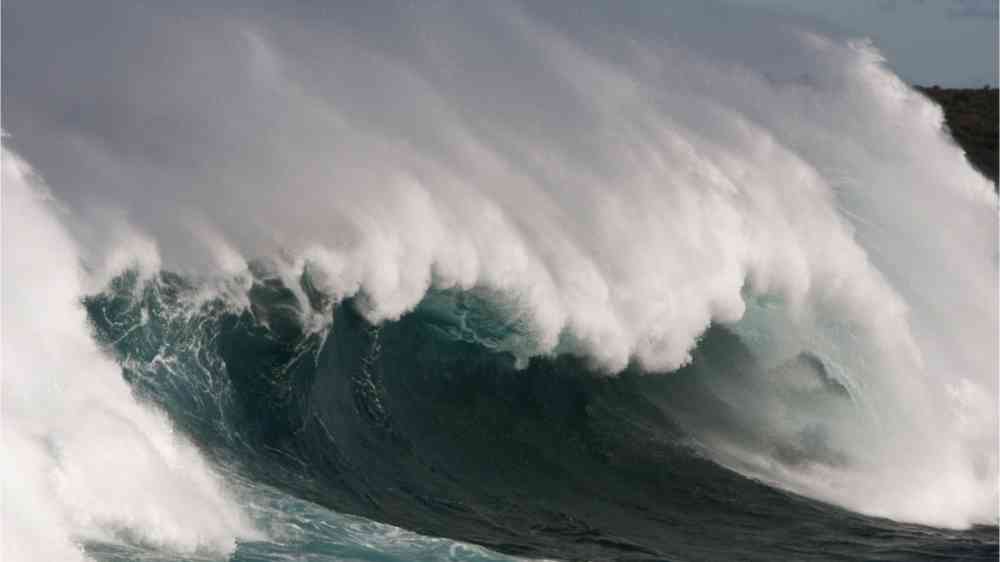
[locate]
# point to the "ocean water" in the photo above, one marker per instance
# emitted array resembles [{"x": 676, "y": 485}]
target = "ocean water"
[{"x": 486, "y": 282}]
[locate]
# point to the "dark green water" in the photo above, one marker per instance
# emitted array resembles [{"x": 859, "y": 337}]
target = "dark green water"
[{"x": 428, "y": 424}]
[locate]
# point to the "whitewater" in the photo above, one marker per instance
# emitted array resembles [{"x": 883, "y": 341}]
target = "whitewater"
[{"x": 450, "y": 281}]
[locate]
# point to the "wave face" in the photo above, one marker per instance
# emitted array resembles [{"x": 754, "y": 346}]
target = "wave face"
[
  {"x": 558, "y": 280},
  {"x": 427, "y": 423}
]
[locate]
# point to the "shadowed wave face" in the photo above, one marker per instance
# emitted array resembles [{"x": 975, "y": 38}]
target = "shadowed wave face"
[
  {"x": 423, "y": 423},
  {"x": 663, "y": 280}
]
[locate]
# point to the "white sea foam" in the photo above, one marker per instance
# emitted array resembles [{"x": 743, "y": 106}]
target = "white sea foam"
[{"x": 83, "y": 460}]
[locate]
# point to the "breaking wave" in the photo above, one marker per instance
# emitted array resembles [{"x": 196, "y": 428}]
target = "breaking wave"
[{"x": 530, "y": 282}]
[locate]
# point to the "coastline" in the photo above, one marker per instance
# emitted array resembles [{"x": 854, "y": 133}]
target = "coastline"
[{"x": 971, "y": 116}]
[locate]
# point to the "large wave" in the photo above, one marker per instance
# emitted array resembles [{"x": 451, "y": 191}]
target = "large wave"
[{"x": 607, "y": 193}]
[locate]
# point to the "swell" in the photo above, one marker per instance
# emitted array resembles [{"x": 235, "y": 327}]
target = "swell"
[{"x": 431, "y": 423}]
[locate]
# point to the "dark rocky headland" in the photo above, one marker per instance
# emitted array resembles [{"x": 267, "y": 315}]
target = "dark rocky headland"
[{"x": 971, "y": 115}]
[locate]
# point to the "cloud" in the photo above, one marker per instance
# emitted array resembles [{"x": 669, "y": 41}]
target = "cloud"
[
  {"x": 888, "y": 6},
  {"x": 987, "y": 9}
]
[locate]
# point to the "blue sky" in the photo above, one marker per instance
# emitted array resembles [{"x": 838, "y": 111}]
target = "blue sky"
[{"x": 946, "y": 42}]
